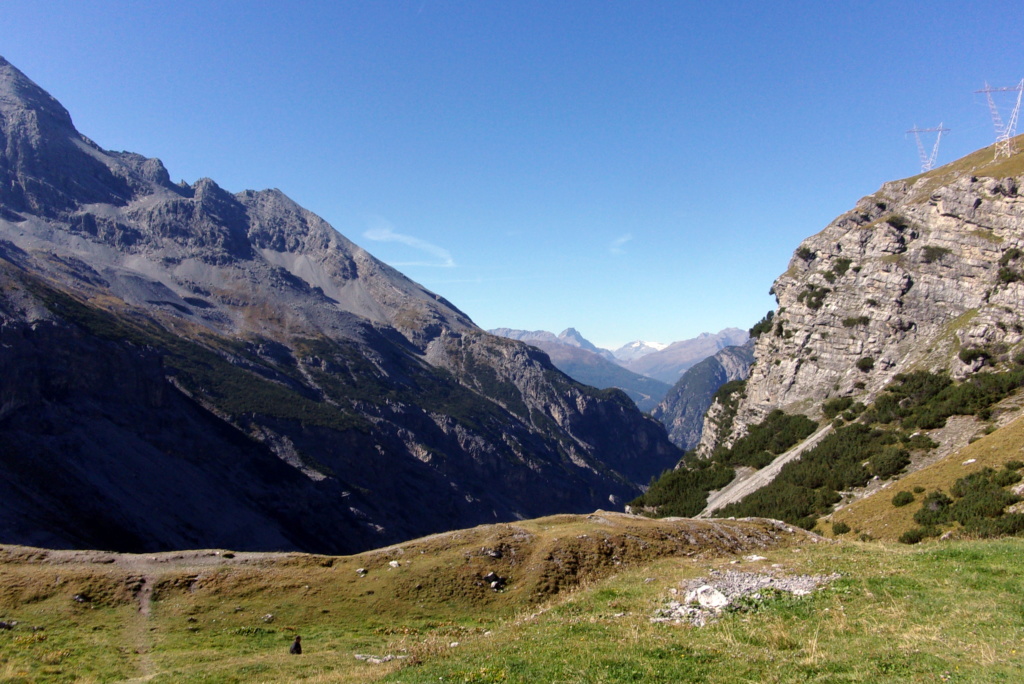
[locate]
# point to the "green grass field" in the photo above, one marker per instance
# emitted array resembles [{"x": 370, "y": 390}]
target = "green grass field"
[{"x": 577, "y": 606}]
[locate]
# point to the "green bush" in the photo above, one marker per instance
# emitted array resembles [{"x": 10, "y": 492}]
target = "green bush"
[
  {"x": 920, "y": 441},
  {"x": 902, "y": 499},
  {"x": 1005, "y": 478},
  {"x": 932, "y": 253},
  {"x": 1009, "y": 275},
  {"x": 841, "y": 265},
  {"x": 978, "y": 496},
  {"x": 912, "y": 536},
  {"x": 934, "y": 509},
  {"x": 865, "y": 364},
  {"x": 813, "y": 296},
  {"x": 971, "y": 354},
  {"x": 897, "y": 221},
  {"x": 1009, "y": 255},
  {"x": 762, "y": 326},
  {"x": 805, "y": 253},
  {"x": 840, "y": 528},
  {"x": 833, "y": 407},
  {"x": 889, "y": 461},
  {"x": 855, "y": 321}
]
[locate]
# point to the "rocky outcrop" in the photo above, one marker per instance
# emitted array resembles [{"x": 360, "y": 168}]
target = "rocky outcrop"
[
  {"x": 683, "y": 409},
  {"x": 927, "y": 273},
  {"x": 222, "y": 369}
]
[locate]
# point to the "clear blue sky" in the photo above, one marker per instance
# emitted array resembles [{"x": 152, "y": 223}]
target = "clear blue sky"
[{"x": 637, "y": 170}]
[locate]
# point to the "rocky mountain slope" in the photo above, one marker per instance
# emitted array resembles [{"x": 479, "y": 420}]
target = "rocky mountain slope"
[
  {"x": 925, "y": 274},
  {"x": 187, "y": 367},
  {"x": 669, "y": 364},
  {"x": 682, "y": 411},
  {"x": 578, "y": 358}
]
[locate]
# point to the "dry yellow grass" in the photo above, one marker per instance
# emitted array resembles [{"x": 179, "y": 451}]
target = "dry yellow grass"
[{"x": 876, "y": 516}]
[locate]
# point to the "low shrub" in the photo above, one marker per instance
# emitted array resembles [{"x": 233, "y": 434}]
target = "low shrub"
[
  {"x": 841, "y": 265},
  {"x": 889, "y": 461},
  {"x": 1009, "y": 275},
  {"x": 813, "y": 296},
  {"x": 762, "y": 326},
  {"x": 1009, "y": 255},
  {"x": 933, "y": 253},
  {"x": 902, "y": 499},
  {"x": 1005, "y": 478},
  {"x": 969, "y": 355},
  {"x": 865, "y": 364},
  {"x": 833, "y": 407},
  {"x": 840, "y": 528},
  {"x": 912, "y": 536},
  {"x": 934, "y": 509}
]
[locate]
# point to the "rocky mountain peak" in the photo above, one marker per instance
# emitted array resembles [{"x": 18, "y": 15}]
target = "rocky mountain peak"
[
  {"x": 46, "y": 166},
  {"x": 27, "y": 108}
]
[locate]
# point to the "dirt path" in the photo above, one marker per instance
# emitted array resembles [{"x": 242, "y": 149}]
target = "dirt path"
[
  {"x": 147, "y": 569},
  {"x": 754, "y": 480}
]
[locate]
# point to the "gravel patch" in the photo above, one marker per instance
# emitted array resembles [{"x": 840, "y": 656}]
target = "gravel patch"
[{"x": 706, "y": 598}]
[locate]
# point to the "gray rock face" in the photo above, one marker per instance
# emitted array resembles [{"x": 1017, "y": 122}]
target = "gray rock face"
[
  {"x": 221, "y": 369},
  {"x": 683, "y": 409},
  {"x": 911, "y": 276}
]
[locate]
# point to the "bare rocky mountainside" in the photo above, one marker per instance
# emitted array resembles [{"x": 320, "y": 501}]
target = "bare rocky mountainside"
[
  {"x": 181, "y": 366},
  {"x": 925, "y": 274},
  {"x": 683, "y": 409}
]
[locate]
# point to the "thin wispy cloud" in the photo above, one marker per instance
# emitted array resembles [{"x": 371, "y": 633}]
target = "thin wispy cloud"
[
  {"x": 618, "y": 243},
  {"x": 382, "y": 231}
]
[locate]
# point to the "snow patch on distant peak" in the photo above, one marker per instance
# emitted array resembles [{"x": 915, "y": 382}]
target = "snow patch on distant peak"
[{"x": 636, "y": 349}]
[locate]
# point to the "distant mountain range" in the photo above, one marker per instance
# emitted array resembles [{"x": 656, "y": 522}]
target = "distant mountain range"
[
  {"x": 644, "y": 370},
  {"x": 683, "y": 408},
  {"x": 185, "y": 367},
  {"x": 669, "y": 364},
  {"x": 578, "y": 358}
]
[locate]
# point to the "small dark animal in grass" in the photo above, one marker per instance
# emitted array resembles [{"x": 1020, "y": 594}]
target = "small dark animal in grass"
[{"x": 296, "y": 647}]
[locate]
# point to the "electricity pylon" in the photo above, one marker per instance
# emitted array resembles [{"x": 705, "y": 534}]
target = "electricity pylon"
[
  {"x": 927, "y": 162},
  {"x": 1004, "y": 132}
]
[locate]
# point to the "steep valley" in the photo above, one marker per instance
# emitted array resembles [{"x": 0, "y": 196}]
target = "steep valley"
[{"x": 187, "y": 367}]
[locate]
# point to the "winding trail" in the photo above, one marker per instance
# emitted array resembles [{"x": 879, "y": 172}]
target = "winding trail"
[{"x": 745, "y": 484}]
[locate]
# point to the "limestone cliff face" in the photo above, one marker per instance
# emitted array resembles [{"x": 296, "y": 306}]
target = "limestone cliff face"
[{"x": 911, "y": 277}]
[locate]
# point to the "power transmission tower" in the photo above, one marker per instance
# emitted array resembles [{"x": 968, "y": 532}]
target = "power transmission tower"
[
  {"x": 927, "y": 162},
  {"x": 1004, "y": 133}
]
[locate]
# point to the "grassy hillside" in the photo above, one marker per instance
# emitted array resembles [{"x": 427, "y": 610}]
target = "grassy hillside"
[
  {"x": 577, "y": 604},
  {"x": 877, "y": 516}
]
